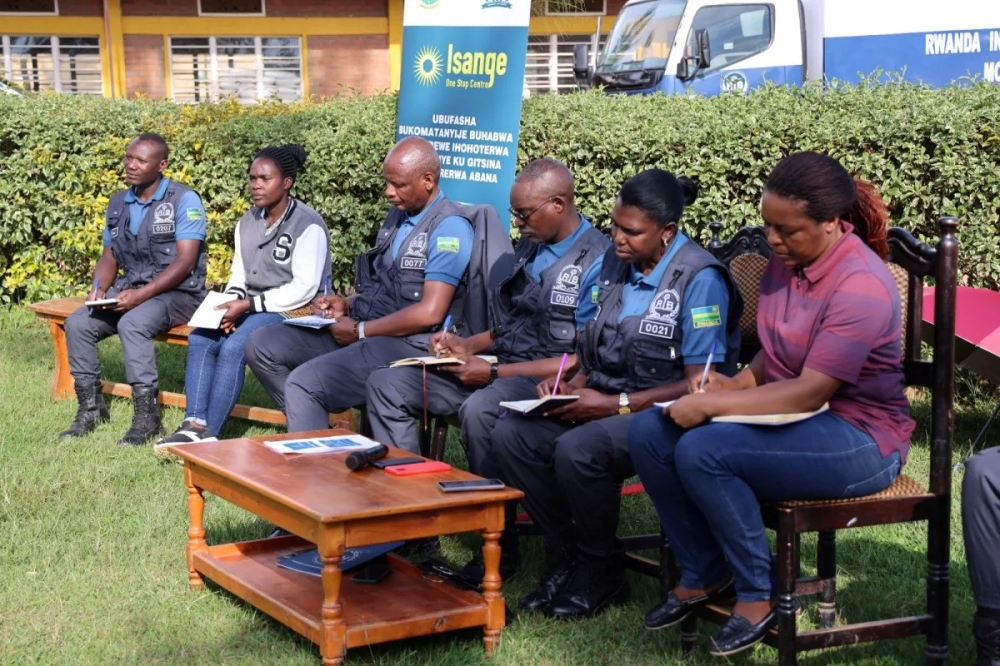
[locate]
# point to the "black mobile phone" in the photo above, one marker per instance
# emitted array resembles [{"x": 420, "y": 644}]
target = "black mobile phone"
[
  {"x": 470, "y": 486},
  {"x": 387, "y": 462}
]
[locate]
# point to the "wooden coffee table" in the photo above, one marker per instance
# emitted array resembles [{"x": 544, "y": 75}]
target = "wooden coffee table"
[{"x": 321, "y": 502}]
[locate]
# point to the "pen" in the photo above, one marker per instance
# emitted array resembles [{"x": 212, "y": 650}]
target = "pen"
[
  {"x": 447, "y": 323},
  {"x": 326, "y": 288},
  {"x": 708, "y": 364},
  {"x": 562, "y": 366}
]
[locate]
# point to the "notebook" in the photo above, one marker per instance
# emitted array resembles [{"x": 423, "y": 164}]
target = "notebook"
[
  {"x": 770, "y": 419},
  {"x": 431, "y": 360},
  {"x": 102, "y": 303},
  {"x": 206, "y": 316},
  {"x": 311, "y": 321},
  {"x": 540, "y": 406}
]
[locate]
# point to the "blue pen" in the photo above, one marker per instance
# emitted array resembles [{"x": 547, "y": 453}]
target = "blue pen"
[
  {"x": 708, "y": 364},
  {"x": 97, "y": 285},
  {"x": 326, "y": 285},
  {"x": 447, "y": 324}
]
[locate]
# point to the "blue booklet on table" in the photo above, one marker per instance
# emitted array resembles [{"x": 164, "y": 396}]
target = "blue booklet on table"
[{"x": 308, "y": 562}]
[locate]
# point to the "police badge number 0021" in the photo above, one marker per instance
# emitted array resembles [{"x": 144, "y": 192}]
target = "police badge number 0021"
[
  {"x": 566, "y": 290},
  {"x": 163, "y": 220},
  {"x": 661, "y": 320},
  {"x": 415, "y": 258}
]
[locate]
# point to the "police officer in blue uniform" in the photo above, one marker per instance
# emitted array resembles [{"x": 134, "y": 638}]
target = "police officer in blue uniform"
[
  {"x": 659, "y": 306},
  {"x": 153, "y": 263},
  {"x": 412, "y": 279},
  {"x": 533, "y": 322}
]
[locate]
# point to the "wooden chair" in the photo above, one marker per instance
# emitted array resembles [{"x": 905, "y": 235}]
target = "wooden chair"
[
  {"x": 745, "y": 255},
  {"x": 906, "y": 500}
]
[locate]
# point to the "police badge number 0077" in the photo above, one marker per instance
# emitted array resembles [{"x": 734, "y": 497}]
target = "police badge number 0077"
[
  {"x": 163, "y": 219},
  {"x": 415, "y": 258},
  {"x": 566, "y": 290},
  {"x": 661, "y": 320}
]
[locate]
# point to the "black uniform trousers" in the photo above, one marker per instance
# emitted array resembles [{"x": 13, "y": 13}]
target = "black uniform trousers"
[
  {"x": 571, "y": 476},
  {"x": 981, "y": 525}
]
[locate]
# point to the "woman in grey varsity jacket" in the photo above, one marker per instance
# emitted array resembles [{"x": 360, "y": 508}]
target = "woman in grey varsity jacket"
[{"x": 281, "y": 261}]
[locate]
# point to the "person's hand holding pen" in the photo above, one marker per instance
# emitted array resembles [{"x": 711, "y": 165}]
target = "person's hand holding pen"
[
  {"x": 448, "y": 345},
  {"x": 443, "y": 340},
  {"x": 96, "y": 293},
  {"x": 328, "y": 306}
]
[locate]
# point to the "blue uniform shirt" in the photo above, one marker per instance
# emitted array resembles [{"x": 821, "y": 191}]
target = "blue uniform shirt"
[
  {"x": 707, "y": 289},
  {"x": 547, "y": 253},
  {"x": 189, "y": 214},
  {"x": 449, "y": 247}
]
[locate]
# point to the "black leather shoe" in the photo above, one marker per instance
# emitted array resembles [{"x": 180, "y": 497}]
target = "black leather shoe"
[
  {"x": 738, "y": 634},
  {"x": 476, "y": 567},
  {"x": 577, "y": 605},
  {"x": 548, "y": 587},
  {"x": 986, "y": 632},
  {"x": 673, "y": 610}
]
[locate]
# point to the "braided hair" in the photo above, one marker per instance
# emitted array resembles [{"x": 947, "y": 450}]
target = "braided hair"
[
  {"x": 829, "y": 191},
  {"x": 289, "y": 158}
]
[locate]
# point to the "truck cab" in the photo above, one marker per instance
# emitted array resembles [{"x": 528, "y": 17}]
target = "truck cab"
[{"x": 703, "y": 47}]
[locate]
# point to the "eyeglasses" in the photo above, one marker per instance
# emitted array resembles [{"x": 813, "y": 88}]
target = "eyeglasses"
[{"x": 524, "y": 216}]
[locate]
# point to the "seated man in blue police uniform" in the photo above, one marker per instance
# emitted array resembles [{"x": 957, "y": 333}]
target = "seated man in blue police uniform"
[
  {"x": 153, "y": 263},
  {"x": 414, "y": 277},
  {"x": 659, "y": 305}
]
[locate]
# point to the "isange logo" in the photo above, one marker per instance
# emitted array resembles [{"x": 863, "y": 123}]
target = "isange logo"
[
  {"x": 427, "y": 66},
  {"x": 429, "y": 4},
  {"x": 490, "y": 4}
]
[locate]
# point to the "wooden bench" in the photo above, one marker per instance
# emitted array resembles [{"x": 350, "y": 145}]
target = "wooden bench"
[{"x": 57, "y": 310}]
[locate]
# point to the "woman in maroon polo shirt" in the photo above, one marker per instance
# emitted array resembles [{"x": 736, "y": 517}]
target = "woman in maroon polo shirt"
[{"x": 830, "y": 327}]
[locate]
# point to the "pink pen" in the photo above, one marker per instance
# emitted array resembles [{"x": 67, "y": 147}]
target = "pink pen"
[{"x": 562, "y": 366}]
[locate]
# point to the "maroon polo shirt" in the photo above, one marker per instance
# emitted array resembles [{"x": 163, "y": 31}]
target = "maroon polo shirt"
[{"x": 841, "y": 316}]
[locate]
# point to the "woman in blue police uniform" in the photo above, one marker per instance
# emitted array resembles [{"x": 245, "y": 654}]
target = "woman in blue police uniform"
[{"x": 660, "y": 305}]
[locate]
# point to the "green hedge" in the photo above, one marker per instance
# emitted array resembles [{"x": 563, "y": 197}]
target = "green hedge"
[{"x": 931, "y": 152}]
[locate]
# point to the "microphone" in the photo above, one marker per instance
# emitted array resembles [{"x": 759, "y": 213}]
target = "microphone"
[{"x": 360, "y": 459}]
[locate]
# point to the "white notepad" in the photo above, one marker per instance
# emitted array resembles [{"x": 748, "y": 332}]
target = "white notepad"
[
  {"x": 431, "y": 360},
  {"x": 311, "y": 321},
  {"x": 540, "y": 406},
  {"x": 206, "y": 316},
  {"x": 770, "y": 419},
  {"x": 102, "y": 303}
]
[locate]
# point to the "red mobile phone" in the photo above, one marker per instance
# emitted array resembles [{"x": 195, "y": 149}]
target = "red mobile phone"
[{"x": 428, "y": 467}]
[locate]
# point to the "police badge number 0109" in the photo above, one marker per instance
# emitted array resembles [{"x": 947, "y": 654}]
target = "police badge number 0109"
[
  {"x": 415, "y": 258},
  {"x": 566, "y": 290},
  {"x": 661, "y": 320}
]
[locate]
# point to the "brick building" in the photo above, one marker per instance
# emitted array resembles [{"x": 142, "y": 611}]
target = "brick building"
[{"x": 197, "y": 50}]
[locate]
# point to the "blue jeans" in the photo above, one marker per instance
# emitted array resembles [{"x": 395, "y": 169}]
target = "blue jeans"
[
  {"x": 707, "y": 484},
  {"x": 216, "y": 367}
]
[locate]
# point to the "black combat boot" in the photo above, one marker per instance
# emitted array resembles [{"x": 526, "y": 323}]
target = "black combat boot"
[
  {"x": 560, "y": 563},
  {"x": 146, "y": 420},
  {"x": 90, "y": 410},
  {"x": 510, "y": 559},
  {"x": 986, "y": 632}
]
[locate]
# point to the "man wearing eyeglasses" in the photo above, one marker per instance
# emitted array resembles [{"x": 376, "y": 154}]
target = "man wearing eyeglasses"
[{"x": 533, "y": 323}]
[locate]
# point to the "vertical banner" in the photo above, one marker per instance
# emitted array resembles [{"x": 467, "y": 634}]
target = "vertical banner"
[{"x": 460, "y": 88}]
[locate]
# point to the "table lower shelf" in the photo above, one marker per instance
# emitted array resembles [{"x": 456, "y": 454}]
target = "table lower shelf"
[{"x": 402, "y": 605}]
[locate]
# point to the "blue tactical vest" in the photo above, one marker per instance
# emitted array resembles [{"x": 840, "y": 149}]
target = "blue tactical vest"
[
  {"x": 383, "y": 285},
  {"x": 537, "y": 319},
  {"x": 644, "y": 351},
  {"x": 143, "y": 256}
]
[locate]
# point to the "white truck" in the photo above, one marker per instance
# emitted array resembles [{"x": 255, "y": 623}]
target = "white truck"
[{"x": 709, "y": 47}]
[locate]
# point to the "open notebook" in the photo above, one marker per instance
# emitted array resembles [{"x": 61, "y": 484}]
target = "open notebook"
[
  {"x": 430, "y": 360},
  {"x": 540, "y": 406},
  {"x": 760, "y": 419}
]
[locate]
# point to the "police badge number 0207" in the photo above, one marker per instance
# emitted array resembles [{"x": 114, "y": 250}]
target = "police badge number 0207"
[
  {"x": 163, "y": 219},
  {"x": 661, "y": 320},
  {"x": 566, "y": 289}
]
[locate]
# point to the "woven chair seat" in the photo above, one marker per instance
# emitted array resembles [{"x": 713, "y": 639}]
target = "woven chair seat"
[{"x": 903, "y": 486}]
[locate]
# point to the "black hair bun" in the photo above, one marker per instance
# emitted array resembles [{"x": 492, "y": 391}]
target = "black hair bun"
[
  {"x": 297, "y": 152},
  {"x": 690, "y": 189}
]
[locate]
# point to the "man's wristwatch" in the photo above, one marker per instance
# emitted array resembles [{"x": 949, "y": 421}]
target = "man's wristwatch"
[
  {"x": 359, "y": 328},
  {"x": 494, "y": 373},
  {"x": 623, "y": 406}
]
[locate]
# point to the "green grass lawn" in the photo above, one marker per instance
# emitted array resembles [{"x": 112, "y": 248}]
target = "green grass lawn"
[{"x": 92, "y": 564}]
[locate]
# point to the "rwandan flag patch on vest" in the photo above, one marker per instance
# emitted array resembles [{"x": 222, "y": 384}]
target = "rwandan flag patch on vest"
[
  {"x": 706, "y": 317},
  {"x": 194, "y": 213},
  {"x": 448, "y": 244}
]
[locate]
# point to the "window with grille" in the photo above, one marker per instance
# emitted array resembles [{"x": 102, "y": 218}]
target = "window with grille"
[
  {"x": 549, "y": 64},
  {"x": 63, "y": 64},
  {"x": 244, "y": 7},
  {"x": 249, "y": 68},
  {"x": 29, "y": 7},
  {"x": 575, "y": 7}
]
